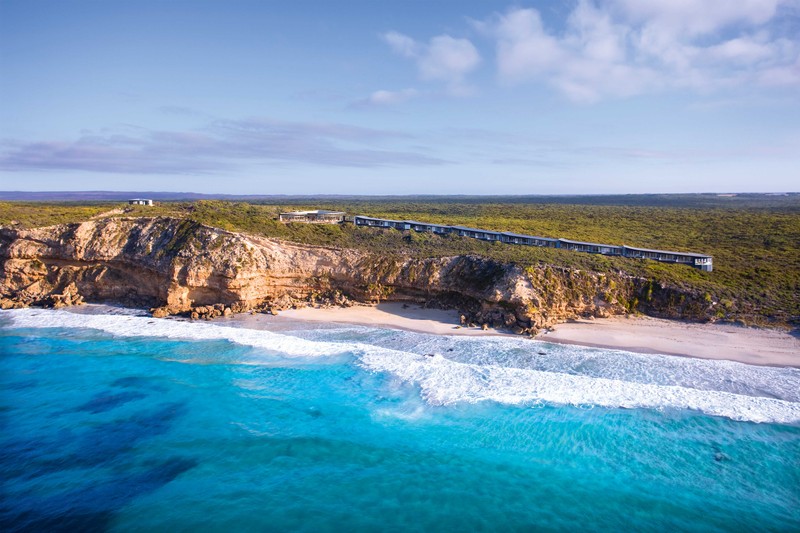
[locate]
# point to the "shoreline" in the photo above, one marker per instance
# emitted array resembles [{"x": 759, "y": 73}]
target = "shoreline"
[
  {"x": 641, "y": 334},
  {"x": 646, "y": 335}
]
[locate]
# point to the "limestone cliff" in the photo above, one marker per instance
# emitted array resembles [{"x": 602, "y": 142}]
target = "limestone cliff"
[{"x": 179, "y": 266}]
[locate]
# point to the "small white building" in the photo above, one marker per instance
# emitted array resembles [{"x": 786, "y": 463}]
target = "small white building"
[{"x": 140, "y": 201}]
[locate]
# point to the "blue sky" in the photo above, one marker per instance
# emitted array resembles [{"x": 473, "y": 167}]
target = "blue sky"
[{"x": 403, "y": 97}]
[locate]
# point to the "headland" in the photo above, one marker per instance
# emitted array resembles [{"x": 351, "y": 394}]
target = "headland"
[{"x": 204, "y": 260}]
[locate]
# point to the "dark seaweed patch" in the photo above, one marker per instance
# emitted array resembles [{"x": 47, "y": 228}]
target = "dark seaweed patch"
[
  {"x": 91, "y": 507},
  {"x": 139, "y": 382},
  {"x": 105, "y": 401},
  {"x": 106, "y": 441}
]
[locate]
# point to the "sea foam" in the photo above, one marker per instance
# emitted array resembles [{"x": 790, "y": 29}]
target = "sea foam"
[
  {"x": 138, "y": 326},
  {"x": 508, "y": 371},
  {"x": 443, "y": 382}
]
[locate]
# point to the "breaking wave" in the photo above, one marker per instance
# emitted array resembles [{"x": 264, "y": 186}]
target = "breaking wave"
[{"x": 509, "y": 371}]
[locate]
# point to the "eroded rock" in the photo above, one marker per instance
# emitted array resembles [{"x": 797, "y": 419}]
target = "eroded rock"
[{"x": 181, "y": 267}]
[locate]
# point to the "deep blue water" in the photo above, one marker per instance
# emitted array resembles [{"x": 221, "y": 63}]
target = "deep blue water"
[{"x": 123, "y": 423}]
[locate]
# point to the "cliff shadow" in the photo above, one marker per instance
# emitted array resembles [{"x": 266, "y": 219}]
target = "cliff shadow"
[{"x": 418, "y": 313}]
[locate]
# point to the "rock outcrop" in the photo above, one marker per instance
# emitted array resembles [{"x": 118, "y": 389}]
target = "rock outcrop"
[{"x": 178, "y": 266}]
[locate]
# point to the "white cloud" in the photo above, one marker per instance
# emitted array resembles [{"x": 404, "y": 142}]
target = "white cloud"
[
  {"x": 588, "y": 61},
  {"x": 626, "y": 47},
  {"x": 384, "y": 97},
  {"x": 784, "y": 75},
  {"x": 524, "y": 49},
  {"x": 746, "y": 49},
  {"x": 697, "y": 17},
  {"x": 443, "y": 58},
  {"x": 448, "y": 59},
  {"x": 401, "y": 44}
]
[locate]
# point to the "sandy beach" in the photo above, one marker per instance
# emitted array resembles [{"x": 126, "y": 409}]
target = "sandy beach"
[
  {"x": 392, "y": 315},
  {"x": 755, "y": 346},
  {"x": 636, "y": 334}
]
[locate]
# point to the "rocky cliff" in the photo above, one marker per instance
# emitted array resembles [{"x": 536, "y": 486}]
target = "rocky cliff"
[{"x": 181, "y": 267}]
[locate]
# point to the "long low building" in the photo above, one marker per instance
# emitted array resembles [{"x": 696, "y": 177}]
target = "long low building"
[
  {"x": 700, "y": 261},
  {"x": 319, "y": 216}
]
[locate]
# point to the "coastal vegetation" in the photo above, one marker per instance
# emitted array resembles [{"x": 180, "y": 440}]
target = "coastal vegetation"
[
  {"x": 755, "y": 240},
  {"x": 37, "y": 214}
]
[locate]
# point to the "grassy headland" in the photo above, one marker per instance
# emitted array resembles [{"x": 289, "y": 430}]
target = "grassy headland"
[{"x": 755, "y": 239}]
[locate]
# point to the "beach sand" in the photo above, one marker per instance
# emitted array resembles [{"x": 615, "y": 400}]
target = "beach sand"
[
  {"x": 391, "y": 315},
  {"x": 755, "y": 346},
  {"x": 635, "y": 334}
]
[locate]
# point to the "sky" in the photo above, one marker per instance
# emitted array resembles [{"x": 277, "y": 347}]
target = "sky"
[{"x": 400, "y": 97}]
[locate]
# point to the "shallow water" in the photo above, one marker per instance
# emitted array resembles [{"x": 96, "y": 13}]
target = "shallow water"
[{"x": 122, "y": 422}]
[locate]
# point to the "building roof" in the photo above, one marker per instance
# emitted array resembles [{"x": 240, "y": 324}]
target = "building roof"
[
  {"x": 521, "y": 236},
  {"x": 431, "y": 224},
  {"x": 373, "y": 218},
  {"x": 476, "y": 230},
  {"x": 380, "y": 219},
  {"x": 688, "y": 254},
  {"x": 590, "y": 243},
  {"x": 314, "y": 212}
]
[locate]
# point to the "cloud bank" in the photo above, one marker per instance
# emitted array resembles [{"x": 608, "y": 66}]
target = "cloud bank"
[
  {"x": 625, "y": 47},
  {"x": 219, "y": 146}
]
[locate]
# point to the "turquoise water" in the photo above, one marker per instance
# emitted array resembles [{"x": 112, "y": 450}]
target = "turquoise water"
[{"x": 124, "y": 423}]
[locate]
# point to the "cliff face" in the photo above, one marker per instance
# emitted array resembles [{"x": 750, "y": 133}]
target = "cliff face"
[{"x": 179, "y": 266}]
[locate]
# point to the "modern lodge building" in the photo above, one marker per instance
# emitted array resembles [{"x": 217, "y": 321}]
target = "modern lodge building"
[
  {"x": 700, "y": 261},
  {"x": 319, "y": 216},
  {"x": 140, "y": 201}
]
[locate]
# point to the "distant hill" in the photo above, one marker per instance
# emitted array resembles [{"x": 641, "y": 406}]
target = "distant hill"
[{"x": 110, "y": 196}]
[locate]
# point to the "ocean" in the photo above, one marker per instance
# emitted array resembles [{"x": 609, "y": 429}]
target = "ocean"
[{"x": 120, "y": 422}]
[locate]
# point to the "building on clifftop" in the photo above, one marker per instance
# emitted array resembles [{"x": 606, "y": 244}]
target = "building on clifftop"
[{"x": 319, "y": 216}]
